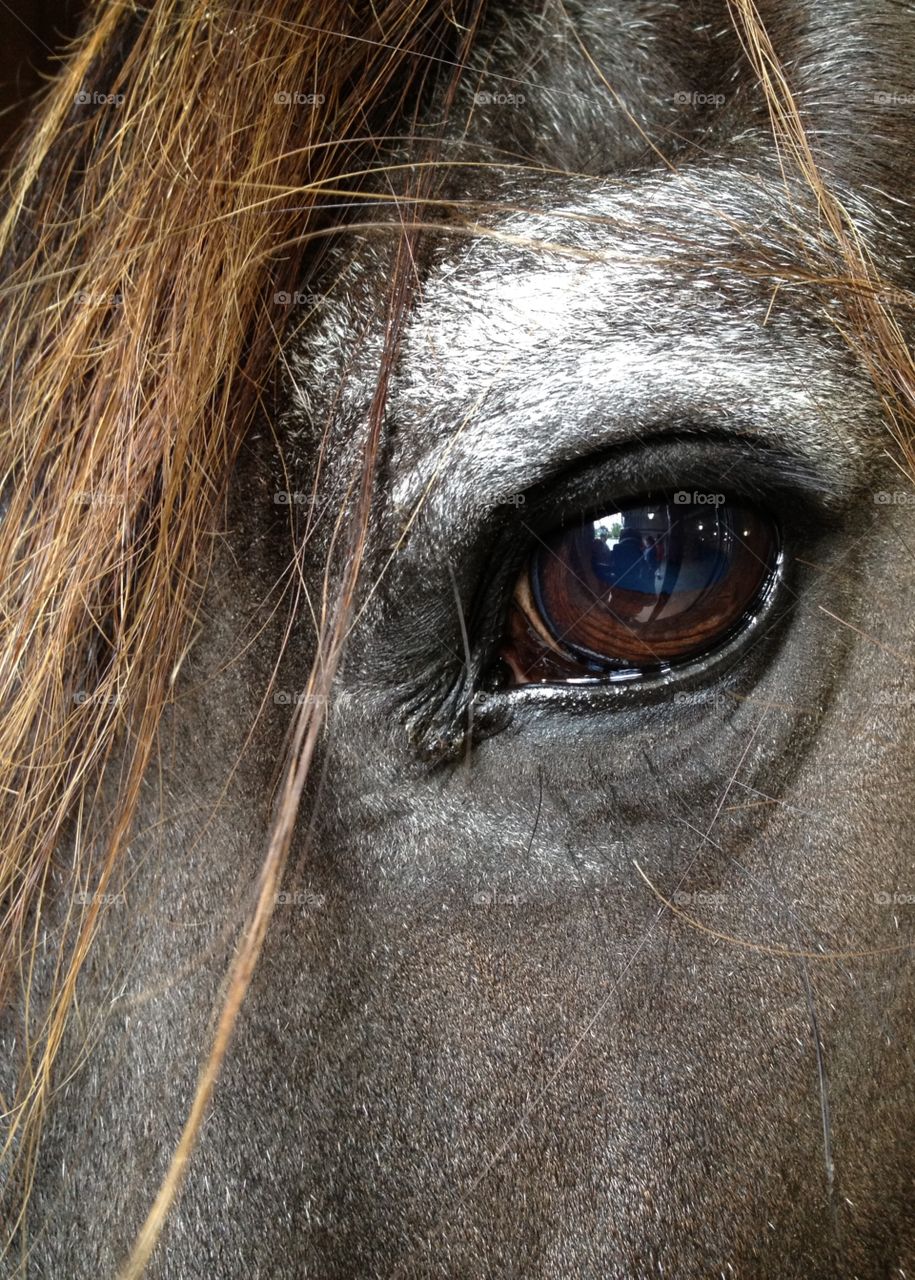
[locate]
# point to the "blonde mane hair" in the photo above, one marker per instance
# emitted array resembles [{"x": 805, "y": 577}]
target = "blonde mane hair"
[{"x": 142, "y": 248}]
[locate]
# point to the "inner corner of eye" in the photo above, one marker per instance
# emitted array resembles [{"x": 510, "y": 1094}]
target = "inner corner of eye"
[{"x": 652, "y": 582}]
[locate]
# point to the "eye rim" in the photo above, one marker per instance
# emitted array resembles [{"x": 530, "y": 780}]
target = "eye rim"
[
  {"x": 526, "y": 607},
  {"x": 467, "y": 704},
  {"x": 734, "y": 667}
]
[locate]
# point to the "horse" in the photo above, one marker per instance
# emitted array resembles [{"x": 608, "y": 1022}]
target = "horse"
[{"x": 396, "y": 885}]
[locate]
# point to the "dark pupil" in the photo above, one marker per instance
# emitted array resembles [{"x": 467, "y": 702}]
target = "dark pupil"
[{"x": 653, "y": 582}]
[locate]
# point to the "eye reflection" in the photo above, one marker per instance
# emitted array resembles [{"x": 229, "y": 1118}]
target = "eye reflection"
[{"x": 655, "y": 582}]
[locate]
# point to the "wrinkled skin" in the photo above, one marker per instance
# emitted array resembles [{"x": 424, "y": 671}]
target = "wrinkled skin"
[{"x": 480, "y": 1044}]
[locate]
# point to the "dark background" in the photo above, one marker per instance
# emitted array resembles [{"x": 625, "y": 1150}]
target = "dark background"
[{"x": 32, "y": 36}]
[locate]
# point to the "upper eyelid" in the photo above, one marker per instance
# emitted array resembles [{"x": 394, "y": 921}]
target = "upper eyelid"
[
  {"x": 754, "y": 474},
  {"x": 453, "y": 501}
]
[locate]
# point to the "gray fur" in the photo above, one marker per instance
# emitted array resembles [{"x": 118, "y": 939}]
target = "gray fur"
[{"x": 478, "y": 1045}]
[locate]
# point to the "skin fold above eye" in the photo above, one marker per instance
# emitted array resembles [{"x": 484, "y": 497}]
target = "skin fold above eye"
[{"x": 651, "y": 583}]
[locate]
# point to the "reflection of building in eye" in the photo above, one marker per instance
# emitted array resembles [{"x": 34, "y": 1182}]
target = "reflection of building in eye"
[
  {"x": 657, "y": 549},
  {"x": 630, "y": 548},
  {"x": 622, "y": 556}
]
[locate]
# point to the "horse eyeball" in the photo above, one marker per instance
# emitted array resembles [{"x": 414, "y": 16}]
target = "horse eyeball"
[{"x": 654, "y": 583}]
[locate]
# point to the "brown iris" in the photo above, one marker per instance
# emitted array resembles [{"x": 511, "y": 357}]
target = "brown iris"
[{"x": 654, "y": 583}]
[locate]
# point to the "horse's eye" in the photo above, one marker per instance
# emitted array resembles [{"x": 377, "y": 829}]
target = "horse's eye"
[{"x": 655, "y": 583}]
